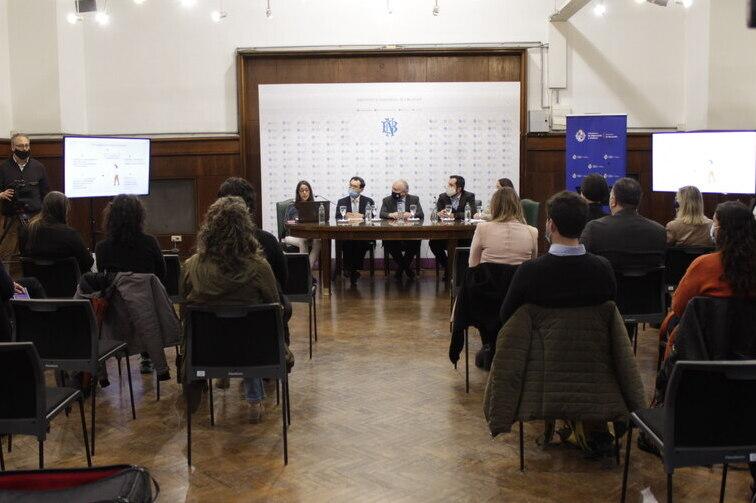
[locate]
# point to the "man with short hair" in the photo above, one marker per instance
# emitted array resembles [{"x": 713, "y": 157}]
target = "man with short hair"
[
  {"x": 595, "y": 190},
  {"x": 627, "y": 239},
  {"x": 23, "y": 185},
  {"x": 354, "y": 250},
  {"x": 567, "y": 276},
  {"x": 458, "y": 198},
  {"x": 396, "y": 207}
]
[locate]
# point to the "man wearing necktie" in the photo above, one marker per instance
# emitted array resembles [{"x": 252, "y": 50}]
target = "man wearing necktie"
[{"x": 354, "y": 251}]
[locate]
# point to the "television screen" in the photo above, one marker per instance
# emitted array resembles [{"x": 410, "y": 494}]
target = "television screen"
[
  {"x": 714, "y": 161},
  {"x": 102, "y": 167}
]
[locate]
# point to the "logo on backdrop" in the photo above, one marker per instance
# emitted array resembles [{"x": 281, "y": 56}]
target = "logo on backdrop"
[
  {"x": 389, "y": 126},
  {"x": 580, "y": 135},
  {"x": 595, "y": 144}
]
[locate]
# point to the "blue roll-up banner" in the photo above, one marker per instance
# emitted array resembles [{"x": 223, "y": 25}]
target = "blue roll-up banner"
[{"x": 595, "y": 144}]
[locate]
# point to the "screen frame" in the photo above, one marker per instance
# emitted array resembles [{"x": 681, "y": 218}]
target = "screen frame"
[{"x": 149, "y": 160}]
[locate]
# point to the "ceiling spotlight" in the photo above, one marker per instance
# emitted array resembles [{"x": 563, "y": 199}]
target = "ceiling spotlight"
[
  {"x": 188, "y": 3},
  {"x": 436, "y": 10},
  {"x": 268, "y": 11},
  {"x": 640, "y": 1},
  {"x": 686, "y": 3},
  {"x": 102, "y": 18},
  {"x": 139, "y": 2},
  {"x": 599, "y": 9},
  {"x": 217, "y": 16},
  {"x": 73, "y": 18}
]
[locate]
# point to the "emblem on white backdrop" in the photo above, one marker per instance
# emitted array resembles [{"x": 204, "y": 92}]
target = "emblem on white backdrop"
[
  {"x": 580, "y": 135},
  {"x": 389, "y": 126}
]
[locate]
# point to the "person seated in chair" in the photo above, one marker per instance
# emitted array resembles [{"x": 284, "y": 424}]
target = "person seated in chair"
[
  {"x": 303, "y": 192},
  {"x": 49, "y": 236},
  {"x": 452, "y": 204},
  {"x": 397, "y": 207},
  {"x": 595, "y": 190},
  {"x": 229, "y": 268},
  {"x": 690, "y": 227},
  {"x": 354, "y": 250}
]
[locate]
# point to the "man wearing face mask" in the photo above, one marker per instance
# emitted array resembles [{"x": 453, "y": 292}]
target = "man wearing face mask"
[
  {"x": 458, "y": 198},
  {"x": 356, "y": 205},
  {"x": 23, "y": 185},
  {"x": 396, "y": 207}
]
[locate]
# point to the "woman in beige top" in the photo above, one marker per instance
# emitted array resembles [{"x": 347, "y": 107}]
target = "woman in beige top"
[
  {"x": 506, "y": 239},
  {"x": 690, "y": 226}
]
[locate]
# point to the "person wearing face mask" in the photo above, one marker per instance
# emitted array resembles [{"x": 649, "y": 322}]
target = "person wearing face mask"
[
  {"x": 458, "y": 198},
  {"x": 396, "y": 207},
  {"x": 23, "y": 185},
  {"x": 354, "y": 250}
]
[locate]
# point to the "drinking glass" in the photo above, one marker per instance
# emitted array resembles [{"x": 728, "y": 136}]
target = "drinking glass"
[
  {"x": 342, "y": 210},
  {"x": 448, "y": 211},
  {"x": 480, "y": 209},
  {"x": 375, "y": 212},
  {"x": 413, "y": 210}
]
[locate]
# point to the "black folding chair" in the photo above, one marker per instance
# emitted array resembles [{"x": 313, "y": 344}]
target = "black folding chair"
[
  {"x": 172, "y": 275},
  {"x": 28, "y": 405},
  {"x": 59, "y": 277},
  {"x": 641, "y": 297},
  {"x": 236, "y": 342},
  {"x": 299, "y": 288},
  {"x": 708, "y": 418},
  {"x": 64, "y": 332},
  {"x": 459, "y": 269},
  {"x": 677, "y": 261}
]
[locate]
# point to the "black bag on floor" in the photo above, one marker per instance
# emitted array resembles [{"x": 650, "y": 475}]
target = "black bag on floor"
[{"x": 117, "y": 483}]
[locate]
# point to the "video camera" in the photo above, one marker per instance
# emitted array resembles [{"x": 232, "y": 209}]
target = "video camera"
[{"x": 23, "y": 193}]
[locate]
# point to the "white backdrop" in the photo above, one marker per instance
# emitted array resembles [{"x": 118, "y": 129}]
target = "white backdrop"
[{"x": 422, "y": 132}]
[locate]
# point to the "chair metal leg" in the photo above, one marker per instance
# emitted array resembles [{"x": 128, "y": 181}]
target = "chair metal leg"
[
  {"x": 94, "y": 393},
  {"x": 10, "y": 443},
  {"x": 522, "y": 447},
  {"x": 118, "y": 359},
  {"x": 635, "y": 339},
  {"x": 188, "y": 427},
  {"x": 2, "y": 460},
  {"x": 278, "y": 391},
  {"x": 287, "y": 403},
  {"x": 309, "y": 326},
  {"x": 84, "y": 431},
  {"x": 315, "y": 316},
  {"x": 625, "y": 471},
  {"x": 157, "y": 387},
  {"x": 212, "y": 408},
  {"x": 467, "y": 363},
  {"x": 724, "y": 483},
  {"x": 669, "y": 488},
  {"x": 283, "y": 421},
  {"x": 131, "y": 389},
  {"x": 616, "y": 448},
  {"x": 42, "y": 453}
]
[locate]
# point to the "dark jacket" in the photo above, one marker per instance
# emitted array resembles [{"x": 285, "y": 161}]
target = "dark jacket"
[
  {"x": 389, "y": 206},
  {"x": 627, "y": 239},
  {"x": 595, "y": 211},
  {"x": 464, "y": 199},
  {"x": 143, "y": 256},
  {"x": 55, "y": 242},
  {"x": 36, "y": 188},
  {"x": 274, "y": 255},
  {"x": 574, "y": 364},
  {"x": 347, "y": 201},
  {"x": 711, "y": 329}
]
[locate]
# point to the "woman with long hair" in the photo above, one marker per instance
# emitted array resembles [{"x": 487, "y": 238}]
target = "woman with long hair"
[
  {"x": 50, "y": 237},
  {"x": 690, "y": 226},
  {"x": 506, "y": 238},
  {"x": 229, "y": 268},
  {"x": 303, "y": 192}
]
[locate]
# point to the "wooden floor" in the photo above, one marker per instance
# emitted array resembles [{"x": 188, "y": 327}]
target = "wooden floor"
[{"x": 379, "y": 414}]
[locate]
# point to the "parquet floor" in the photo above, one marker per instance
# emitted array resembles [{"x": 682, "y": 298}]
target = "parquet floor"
[{"x": 379, "y": 414}]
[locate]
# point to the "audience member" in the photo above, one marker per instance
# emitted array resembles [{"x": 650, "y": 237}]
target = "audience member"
[
  {"x": 126, "y": 247},
  {"x": 452, "y": 204},
  {"x": 303, "y": 192},
  {"x": 50, "y": 237},
  {"x": 396, "y": 207},
  {"x": 627, "y": 239},
  {"x": 690, "y": 226},
  {"x": 229, "y": 268},
  {"x": 595, "y": 190},
  {"x": 354, "y": 250},
  {"x": 567, "y": 276},
  {"x": 7, "y": 289},
  {"x": 506, "y": 239},
  {"x": 728, "y": 272}
]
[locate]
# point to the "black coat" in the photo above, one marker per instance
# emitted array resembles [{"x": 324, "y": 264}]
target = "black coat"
[
  {"x": 56, "y": 242},
  {"x": 389, "y": 206},
  {"x": 34, "y": 177},
  {"x": 347, "y": 201},
  {"x": 465, "y": 199}
]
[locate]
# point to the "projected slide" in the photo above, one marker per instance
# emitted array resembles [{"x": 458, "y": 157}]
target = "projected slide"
[
  {"x": 101, "y": 167},
  {"x": 718, "y": 162}
]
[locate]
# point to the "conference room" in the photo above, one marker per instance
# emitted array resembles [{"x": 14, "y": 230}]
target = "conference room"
[{"x": 378, "y": 250}]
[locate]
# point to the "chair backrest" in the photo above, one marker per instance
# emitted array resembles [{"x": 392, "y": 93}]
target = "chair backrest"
[
  {"x": 281, "y": 215},
  {"x": 59, "y": 277},
  {"x": 530, "y": 209},
  {"x": 461, "y": 261},
  {"x": 22, "y": 387},
  {"x": 235, "y": 341},
  {"x": 678, "y": 259},
  {"x": 64, "y": 331},
  {"x": 710, "y": 413},
  {"x": 641, "y": 294},
  {"x": 298, "y": 287},
  {"x": 172, "y": 275}
]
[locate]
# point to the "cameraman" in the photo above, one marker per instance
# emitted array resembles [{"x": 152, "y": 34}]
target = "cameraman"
[{"x": 23, "y": 184}]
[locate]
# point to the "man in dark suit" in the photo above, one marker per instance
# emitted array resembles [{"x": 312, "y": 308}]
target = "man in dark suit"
[
  {"x": 627, "y": 239},
  {"x": 397, "y": 207},
  {"x": 354, "y": 251},
  {"x": 458, "y": 198}
]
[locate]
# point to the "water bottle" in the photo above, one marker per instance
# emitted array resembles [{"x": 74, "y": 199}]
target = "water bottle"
[
  {"x": 468, "y": 214},
  {"x": 368, "y": 212},
  {"x": 321, "y": 214}
]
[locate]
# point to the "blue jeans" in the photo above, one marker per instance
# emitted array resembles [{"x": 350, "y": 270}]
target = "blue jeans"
[{"x": 254, "y": 389}]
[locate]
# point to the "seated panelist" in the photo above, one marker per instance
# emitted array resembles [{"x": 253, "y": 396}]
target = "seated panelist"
[
  {"x": 452, "y": 204},
  {"x": 354, "y": 250},
  {"x": 398, "y": 206}
]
